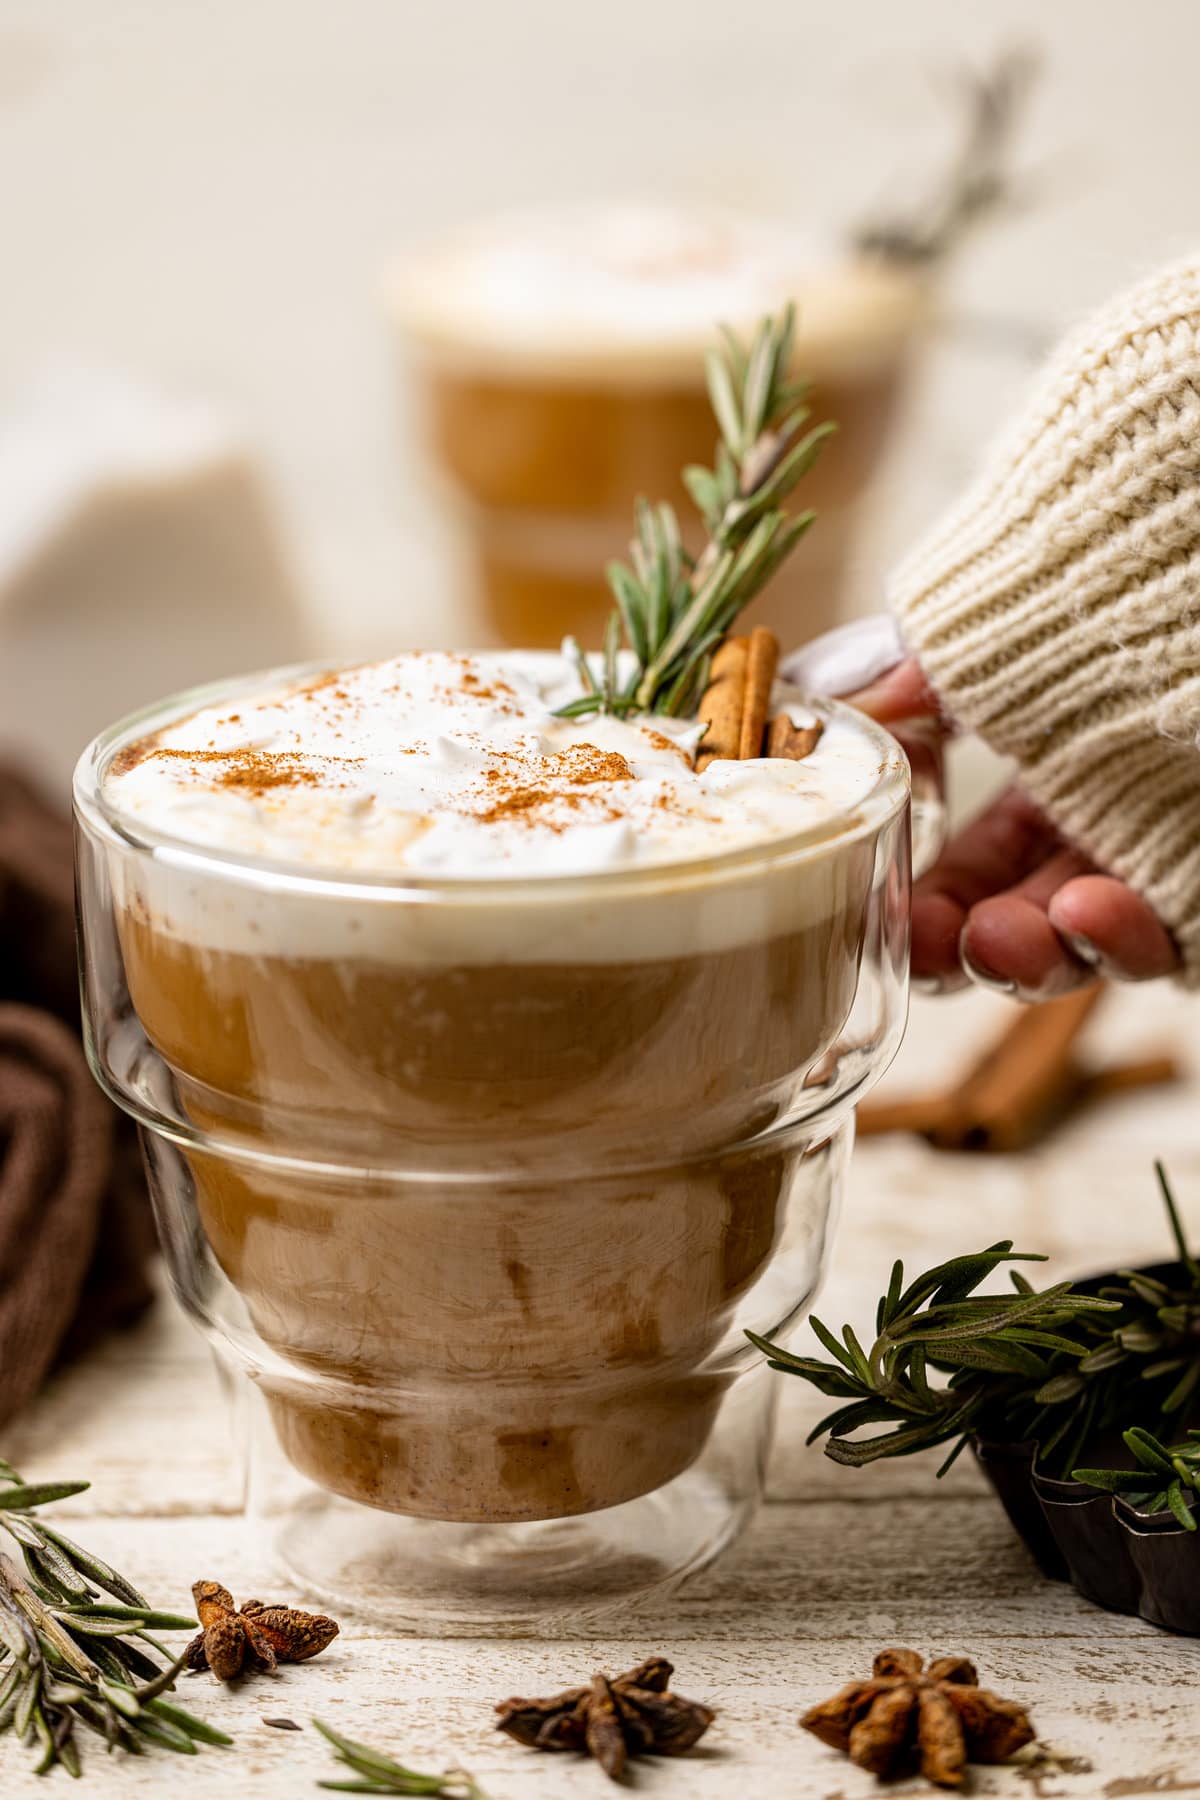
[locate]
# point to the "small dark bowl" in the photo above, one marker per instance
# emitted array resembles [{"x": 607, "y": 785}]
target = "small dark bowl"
[{"x": 1130, "y": 1562}]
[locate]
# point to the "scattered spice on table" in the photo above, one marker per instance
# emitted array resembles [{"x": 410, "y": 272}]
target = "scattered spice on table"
[
  {"x": 634, "y": 1714},
  {"x": 937, "y": 1719},
  {"x": 232, "y": 1643}
]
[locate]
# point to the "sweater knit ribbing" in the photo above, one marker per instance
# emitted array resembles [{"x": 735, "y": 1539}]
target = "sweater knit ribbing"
[{"x": 1057, "y": 609}]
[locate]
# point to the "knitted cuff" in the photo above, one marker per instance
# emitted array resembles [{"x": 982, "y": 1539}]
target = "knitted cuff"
[{"x": 1057, "y": 610}]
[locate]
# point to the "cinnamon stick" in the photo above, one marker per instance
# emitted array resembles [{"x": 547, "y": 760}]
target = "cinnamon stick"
[
  {"x": 1023, "y": 1080},
  {"x": 938, "y": 1117},
  {"x": 919, "y": 1114},
  {"x": 762, "y": 660},
  {"x": 794, "y": 742},
  {"x": 1128, "y": 1077},
  {"x": 735, "y": 704},
  {"x": 723, "y": 703}
]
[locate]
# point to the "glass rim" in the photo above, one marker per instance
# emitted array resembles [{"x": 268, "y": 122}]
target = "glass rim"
[{"x": 881, "y": 803}]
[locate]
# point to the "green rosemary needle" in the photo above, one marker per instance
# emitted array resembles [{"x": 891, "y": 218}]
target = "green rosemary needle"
[
  {"x": 672, "y": 610},
  {"x": 375, "y": 1773},
  {"x": 77, "y": 1644},
  {"x": 1174, "y": 1470}
]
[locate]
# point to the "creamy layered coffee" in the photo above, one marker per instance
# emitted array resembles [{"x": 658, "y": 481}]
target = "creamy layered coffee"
[
  {"x": 510, "y": 993},
  {"x": 561, "y": 368}
]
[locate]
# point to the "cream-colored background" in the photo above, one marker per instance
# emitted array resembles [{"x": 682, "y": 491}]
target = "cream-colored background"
[
  {"x": 208, "y": 193},
  {"x": 207, "y": 190}
]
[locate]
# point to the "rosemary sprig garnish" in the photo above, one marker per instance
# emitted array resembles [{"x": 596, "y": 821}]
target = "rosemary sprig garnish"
[
  {"x": 375, "y": 1773},
  {"x": 1058, "y": 1367},
  {"x": 72, "y": 1632},
  {"x": 672, "y": 611}
]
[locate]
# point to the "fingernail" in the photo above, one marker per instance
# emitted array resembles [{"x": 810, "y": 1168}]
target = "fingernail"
[
  {"x": 995, "y": 984},
  {"x": 1083, "y": 948},
  {"x": 927, "y": 984}
]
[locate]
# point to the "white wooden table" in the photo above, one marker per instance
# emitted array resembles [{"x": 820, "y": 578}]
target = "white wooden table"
[{"x": 838, "y": 1564}]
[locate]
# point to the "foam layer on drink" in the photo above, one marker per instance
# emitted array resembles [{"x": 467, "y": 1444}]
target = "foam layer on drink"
[
  {"x": 456, "y": 768},
  {"x": 637, "y": 289}
]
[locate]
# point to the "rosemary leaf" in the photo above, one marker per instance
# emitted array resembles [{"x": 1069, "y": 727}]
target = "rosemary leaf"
[
  {"x": 831, "y": 1344},
  {"x": 632, "y": 603},
  {"x": 162, "y": 1731},
  {"x": 724, "y": 401},
  {"x": 887, "y": 1306},
  {"x": 21, "y": 1497},
  {"x": 379, "y": 1774},
  {"x": 186, "y": 1721},
  {"x": 1184, "y": 1389},
  {"x": 612, "y": 646},
  {"x": 577, "y": 709},
  {"x": 1185, "y": 1255},
  {"x": 1149, "y": 1452},
  {"x": 705, "y": 492},
  {"x": 735, "y": 351},
  {"x": 759, "y": 383},
  {"x": 1180, "y": 1507},
  {"x": 95, "y": 1570}
]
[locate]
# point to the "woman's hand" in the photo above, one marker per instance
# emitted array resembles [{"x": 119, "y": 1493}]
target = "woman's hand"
[{"x": 1008, "y": 905}]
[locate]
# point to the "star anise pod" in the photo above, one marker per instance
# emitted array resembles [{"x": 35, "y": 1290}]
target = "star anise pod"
[
  {"x": 937, "y": 1718},
  {"x": 630, "y": 1715},
  {"x": 257, "y": 1637}
]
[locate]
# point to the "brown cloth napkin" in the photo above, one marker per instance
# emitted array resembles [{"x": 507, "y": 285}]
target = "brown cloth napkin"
[{"x": 76, "y": 1232}]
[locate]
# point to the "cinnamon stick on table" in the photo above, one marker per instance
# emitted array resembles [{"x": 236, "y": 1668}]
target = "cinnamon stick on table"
[
  {"x": 1026, "y": 1079},
  {"x": 1023, "y": 1079}
]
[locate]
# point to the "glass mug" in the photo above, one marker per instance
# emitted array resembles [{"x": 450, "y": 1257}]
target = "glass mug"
[
  {"x": 477, "y": 1185},
  {"x": 557, "y": 365}
]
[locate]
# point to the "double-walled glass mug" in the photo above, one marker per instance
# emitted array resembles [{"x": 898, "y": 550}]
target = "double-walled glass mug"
[
  {"x": 477, "y": 1184},
  {"x": 557, "y": 363}
]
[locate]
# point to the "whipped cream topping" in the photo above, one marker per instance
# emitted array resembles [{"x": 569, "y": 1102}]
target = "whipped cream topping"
[
  {"x": 451, "y": 765},
  {"x": 642, "y": 284}
]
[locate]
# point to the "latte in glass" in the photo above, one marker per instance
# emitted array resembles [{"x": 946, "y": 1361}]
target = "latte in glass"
[{"x": 403, "y": 917}]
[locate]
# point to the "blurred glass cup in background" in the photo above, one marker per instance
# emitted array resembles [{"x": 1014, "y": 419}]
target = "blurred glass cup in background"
[{"x": 559, "y": 361}]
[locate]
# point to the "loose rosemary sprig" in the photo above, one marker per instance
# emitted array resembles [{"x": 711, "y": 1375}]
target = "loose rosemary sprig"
[
  {"x": 69, "y": 1656},
  {"x": 671, "y": 610},
  {"x": 1058, "y": 1367},
  {"x": 375, "y": 1773}
]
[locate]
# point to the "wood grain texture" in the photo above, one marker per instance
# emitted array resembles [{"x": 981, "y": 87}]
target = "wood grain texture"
[{"x": 838, "y": 1563}]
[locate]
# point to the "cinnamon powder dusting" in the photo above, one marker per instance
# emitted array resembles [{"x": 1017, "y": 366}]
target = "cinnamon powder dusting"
[
  {"x": 253, "y": 771},
  {"x": 512, "y": 794}
]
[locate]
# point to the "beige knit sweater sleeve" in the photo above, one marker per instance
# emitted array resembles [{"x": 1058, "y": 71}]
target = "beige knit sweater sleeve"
[{"x": 1057, "y": 610}]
